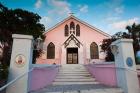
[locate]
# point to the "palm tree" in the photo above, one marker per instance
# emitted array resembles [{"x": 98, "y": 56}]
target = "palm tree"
[
  {"x": 134, "y": 33},
  {"x": 131, "y": 30}
]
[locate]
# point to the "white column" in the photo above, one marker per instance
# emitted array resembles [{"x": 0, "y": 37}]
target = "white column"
[
  {"x": 21, "y": 60},
  {"x": 88, "y": 51},
  {"x": 127, "y": 77},
  {"x": 80, "y": 55},
  {"x": 63, "y": 56}
]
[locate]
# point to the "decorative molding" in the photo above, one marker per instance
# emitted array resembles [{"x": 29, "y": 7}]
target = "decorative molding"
[{"x": 72, "y": 37}]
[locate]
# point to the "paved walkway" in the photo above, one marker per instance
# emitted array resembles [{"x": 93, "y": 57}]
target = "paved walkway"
[{"x": 74, "y": 78}]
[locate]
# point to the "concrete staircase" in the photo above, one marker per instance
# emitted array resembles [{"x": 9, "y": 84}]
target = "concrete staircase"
[
  {"x": 72, "y": 75},
  {"x": 74, "y": 78}
]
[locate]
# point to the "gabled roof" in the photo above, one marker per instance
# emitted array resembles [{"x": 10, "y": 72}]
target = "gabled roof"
[
  {"x": 80, "y": 21},
  {"x": 72, "y": 37}
]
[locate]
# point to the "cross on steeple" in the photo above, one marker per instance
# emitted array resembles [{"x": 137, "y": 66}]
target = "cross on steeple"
[{"x": 71, "y": 13}]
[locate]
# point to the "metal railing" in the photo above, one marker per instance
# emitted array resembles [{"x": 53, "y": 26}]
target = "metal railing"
[{"x": 16, "y": 79}]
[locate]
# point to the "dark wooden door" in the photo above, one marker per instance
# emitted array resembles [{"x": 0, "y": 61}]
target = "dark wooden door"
[{"x": 72, "y": 56}]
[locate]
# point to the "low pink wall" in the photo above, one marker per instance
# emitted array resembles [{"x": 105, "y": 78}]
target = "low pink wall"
[
  {"x": 47, "y": 61},
  {"x": 104, "y": 73},
  {"x": 42, "y": 77}
]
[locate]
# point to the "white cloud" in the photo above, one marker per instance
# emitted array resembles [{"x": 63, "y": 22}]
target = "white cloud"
[
  {"x": 46, "y": 21},
  {"x": 112, "y": 19},
  {"x": 115, "y": 7},
  {"x": 57, "y": 10},
  {"x": 119, "y": 10},
  {"x": 59, "y": 7},
  {"x": 38, "y": 4},
  {"x": 83, "y": 8},
  {"x": 121, "y": 25}
]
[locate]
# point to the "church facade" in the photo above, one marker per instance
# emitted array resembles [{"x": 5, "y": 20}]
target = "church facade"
[{"x": 72, "y": 41}]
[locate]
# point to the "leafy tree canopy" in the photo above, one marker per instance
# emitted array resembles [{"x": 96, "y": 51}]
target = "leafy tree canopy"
[{"x": 18, "y": 21}]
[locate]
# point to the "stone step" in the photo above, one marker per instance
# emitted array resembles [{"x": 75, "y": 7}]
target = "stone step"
[
  {"x": 78, "y": 88},
  {"x": 107, "y": 90},
  {"x": 78, "y": 67},
  {"x": 66, "y": 68},
  {"x": 74, "y": 74},
  {"x": 73, "y": 71},
  {"x": 73, "y": 83},
  {"x": 72, "y": 65},
  {"x": 74, "y": 77},
  {"x": 74, "y": 68},
  {"x": 71, "y": 80}
]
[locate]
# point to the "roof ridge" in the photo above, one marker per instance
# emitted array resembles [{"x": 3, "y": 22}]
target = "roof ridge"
[{"x": 81, "y": 21}]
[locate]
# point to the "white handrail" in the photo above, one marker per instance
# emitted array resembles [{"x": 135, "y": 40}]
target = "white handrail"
[{"x": 17, "y": 78}]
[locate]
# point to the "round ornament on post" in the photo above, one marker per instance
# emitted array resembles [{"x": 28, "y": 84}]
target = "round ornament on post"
[
  {"x": 20, "y": 60},
  {"x": 129, "y": 62}
]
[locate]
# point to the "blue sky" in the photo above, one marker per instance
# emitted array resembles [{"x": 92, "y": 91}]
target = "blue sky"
[{"x": 110, "y": 16}]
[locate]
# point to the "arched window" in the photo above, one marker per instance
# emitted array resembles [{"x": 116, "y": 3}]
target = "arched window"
[
  {"x": 66, "y": 30},
  {"x": 51, "y": 51},
  {"x": 77, "y": 30},
  {"x": 72, "y": 26},
  {"x": 94, "y": 54}
]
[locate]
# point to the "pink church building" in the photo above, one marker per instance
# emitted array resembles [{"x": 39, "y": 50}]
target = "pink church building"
[{"x": 72, "y": 41}]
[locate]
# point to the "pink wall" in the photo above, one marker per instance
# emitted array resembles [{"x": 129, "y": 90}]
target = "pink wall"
[
  {"x": 104, "y": 73},
  {"x": 47, "y": 61},
  {"x": 41, "y": 77}
]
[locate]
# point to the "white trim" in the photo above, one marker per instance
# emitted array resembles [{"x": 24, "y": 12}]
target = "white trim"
[
  {"x": 82, "y": 22},
  {"x": 20, "y": 36}
]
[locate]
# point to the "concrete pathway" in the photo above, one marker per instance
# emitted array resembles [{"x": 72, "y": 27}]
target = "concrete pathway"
[{"x": 74, "y": 78}]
